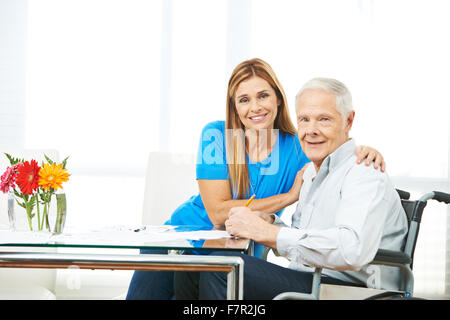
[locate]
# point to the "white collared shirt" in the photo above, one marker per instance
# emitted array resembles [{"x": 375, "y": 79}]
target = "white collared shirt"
[{"x": 345, "y": 213}]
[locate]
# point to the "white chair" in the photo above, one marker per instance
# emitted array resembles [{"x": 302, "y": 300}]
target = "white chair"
[
  {"x": 169, "y": 181},
  {"x": 26, "y": 284}
]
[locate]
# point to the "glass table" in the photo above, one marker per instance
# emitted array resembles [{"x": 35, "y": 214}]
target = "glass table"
[{"x": 188, "y": 250}]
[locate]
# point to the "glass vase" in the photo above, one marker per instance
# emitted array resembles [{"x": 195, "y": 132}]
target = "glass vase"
[
  {"x": 49, "y": 216},
  {"x": 11, "y": 211},
  {"x": 19, "y": 218},
  {"x": 61, "y": 210}
]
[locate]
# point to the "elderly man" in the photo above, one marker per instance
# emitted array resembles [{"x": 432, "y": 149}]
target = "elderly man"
[{"x": 345, "y": 213}]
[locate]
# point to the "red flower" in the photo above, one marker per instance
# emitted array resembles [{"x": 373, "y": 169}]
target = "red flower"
[{"x": 28, "y": 177}]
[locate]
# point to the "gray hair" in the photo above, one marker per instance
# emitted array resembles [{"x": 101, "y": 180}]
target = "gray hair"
[{"x": 338, "y": 89}]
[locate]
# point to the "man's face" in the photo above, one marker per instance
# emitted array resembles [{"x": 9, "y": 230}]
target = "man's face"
[{"x": 321, "y": 128}]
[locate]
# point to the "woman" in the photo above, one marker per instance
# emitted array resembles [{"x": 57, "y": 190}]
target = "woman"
[{"x": 255, "y": 151}]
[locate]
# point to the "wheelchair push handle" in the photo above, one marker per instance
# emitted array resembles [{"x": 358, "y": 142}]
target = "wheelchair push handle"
[
  {"x": 436, "y": 195},
  {"x": 404, "y": 195},
  {"x": 441, "y": 197}
]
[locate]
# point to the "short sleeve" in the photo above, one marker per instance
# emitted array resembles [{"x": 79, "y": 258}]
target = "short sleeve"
[{"x": 211, "y": 155}]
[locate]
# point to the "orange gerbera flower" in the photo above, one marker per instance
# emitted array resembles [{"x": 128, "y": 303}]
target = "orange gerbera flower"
[{"x": 52, "y": 176}]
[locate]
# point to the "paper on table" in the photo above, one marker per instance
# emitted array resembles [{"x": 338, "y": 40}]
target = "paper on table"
[
  {"x": 7, "y": 236},
  {"x": 110, "y": 237},
  {"x": 129, "y": 238},
  {"x": 204, "y": 234}
]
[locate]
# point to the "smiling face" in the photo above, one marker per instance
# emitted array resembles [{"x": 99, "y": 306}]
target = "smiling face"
[
  {"x": 321, "y": 127},
  {"x": 256, "y": 103}
]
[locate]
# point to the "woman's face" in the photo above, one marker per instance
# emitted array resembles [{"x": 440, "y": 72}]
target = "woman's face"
[{"x": 256, "y": 103}]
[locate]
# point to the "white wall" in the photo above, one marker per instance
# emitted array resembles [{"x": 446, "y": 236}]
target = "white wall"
[{"x": 13, "y": 45}]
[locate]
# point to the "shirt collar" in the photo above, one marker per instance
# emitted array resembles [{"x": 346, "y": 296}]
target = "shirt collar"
[
  {"x": 333, "y": 160},
  {"x": 345, "y": 151}
]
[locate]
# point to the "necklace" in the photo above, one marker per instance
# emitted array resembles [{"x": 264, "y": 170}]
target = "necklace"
[
  {"x": 272, "y": 140},
  {"x": 262, "y": 145},
  {"x": 252, "y": 186}
]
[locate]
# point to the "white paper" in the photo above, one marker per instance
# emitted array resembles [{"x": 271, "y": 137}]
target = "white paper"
[
  {"x": 204, "y": 234},
  {"x": 121, "y": 237},
  {"x": 7, "y": 236}
]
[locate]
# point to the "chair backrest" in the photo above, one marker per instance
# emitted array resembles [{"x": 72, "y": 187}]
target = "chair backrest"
[{"x": 170, "y": 180}]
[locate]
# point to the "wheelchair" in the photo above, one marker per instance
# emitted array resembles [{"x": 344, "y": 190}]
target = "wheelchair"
[{"x": 402, "y": 259}]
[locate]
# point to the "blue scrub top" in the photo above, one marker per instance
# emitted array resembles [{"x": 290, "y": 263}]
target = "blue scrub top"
[{"x": 272, "y": 176}]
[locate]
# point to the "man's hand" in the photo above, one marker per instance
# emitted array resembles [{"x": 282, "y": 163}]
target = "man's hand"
[{"x": 245, "y": 223}]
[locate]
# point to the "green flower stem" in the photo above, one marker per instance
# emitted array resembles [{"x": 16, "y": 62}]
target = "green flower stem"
[
  {"x": 50, "y": 195},
  {"x": 38, "y": 211},
  {"x": 46, "y": 214},
  {"x": 29, "y": 210}
]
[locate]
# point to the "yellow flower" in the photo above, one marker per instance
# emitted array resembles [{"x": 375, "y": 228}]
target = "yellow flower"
[{"x": 52, "y": 176}]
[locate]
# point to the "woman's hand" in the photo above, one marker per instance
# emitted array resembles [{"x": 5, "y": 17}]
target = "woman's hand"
[
  {"x": 294, "y": 193},
  {"x": 370, "y": 154}
]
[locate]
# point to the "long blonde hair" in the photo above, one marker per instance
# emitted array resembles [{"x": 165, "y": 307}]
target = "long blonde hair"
[{"x": 235, "y": 143}]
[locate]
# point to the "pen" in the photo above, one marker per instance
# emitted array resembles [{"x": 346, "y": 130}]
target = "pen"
[{"x": 249, "y": 201}]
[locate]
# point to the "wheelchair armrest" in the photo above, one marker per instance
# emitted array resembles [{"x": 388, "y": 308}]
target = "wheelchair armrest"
[{"x": 391, "y": 257}]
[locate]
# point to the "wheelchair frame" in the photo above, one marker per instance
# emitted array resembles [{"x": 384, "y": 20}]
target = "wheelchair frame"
[{"x": 402, "y": 259}]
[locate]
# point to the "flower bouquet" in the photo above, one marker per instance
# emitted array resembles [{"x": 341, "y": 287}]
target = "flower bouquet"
[{"x": 32, "y": 187}]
